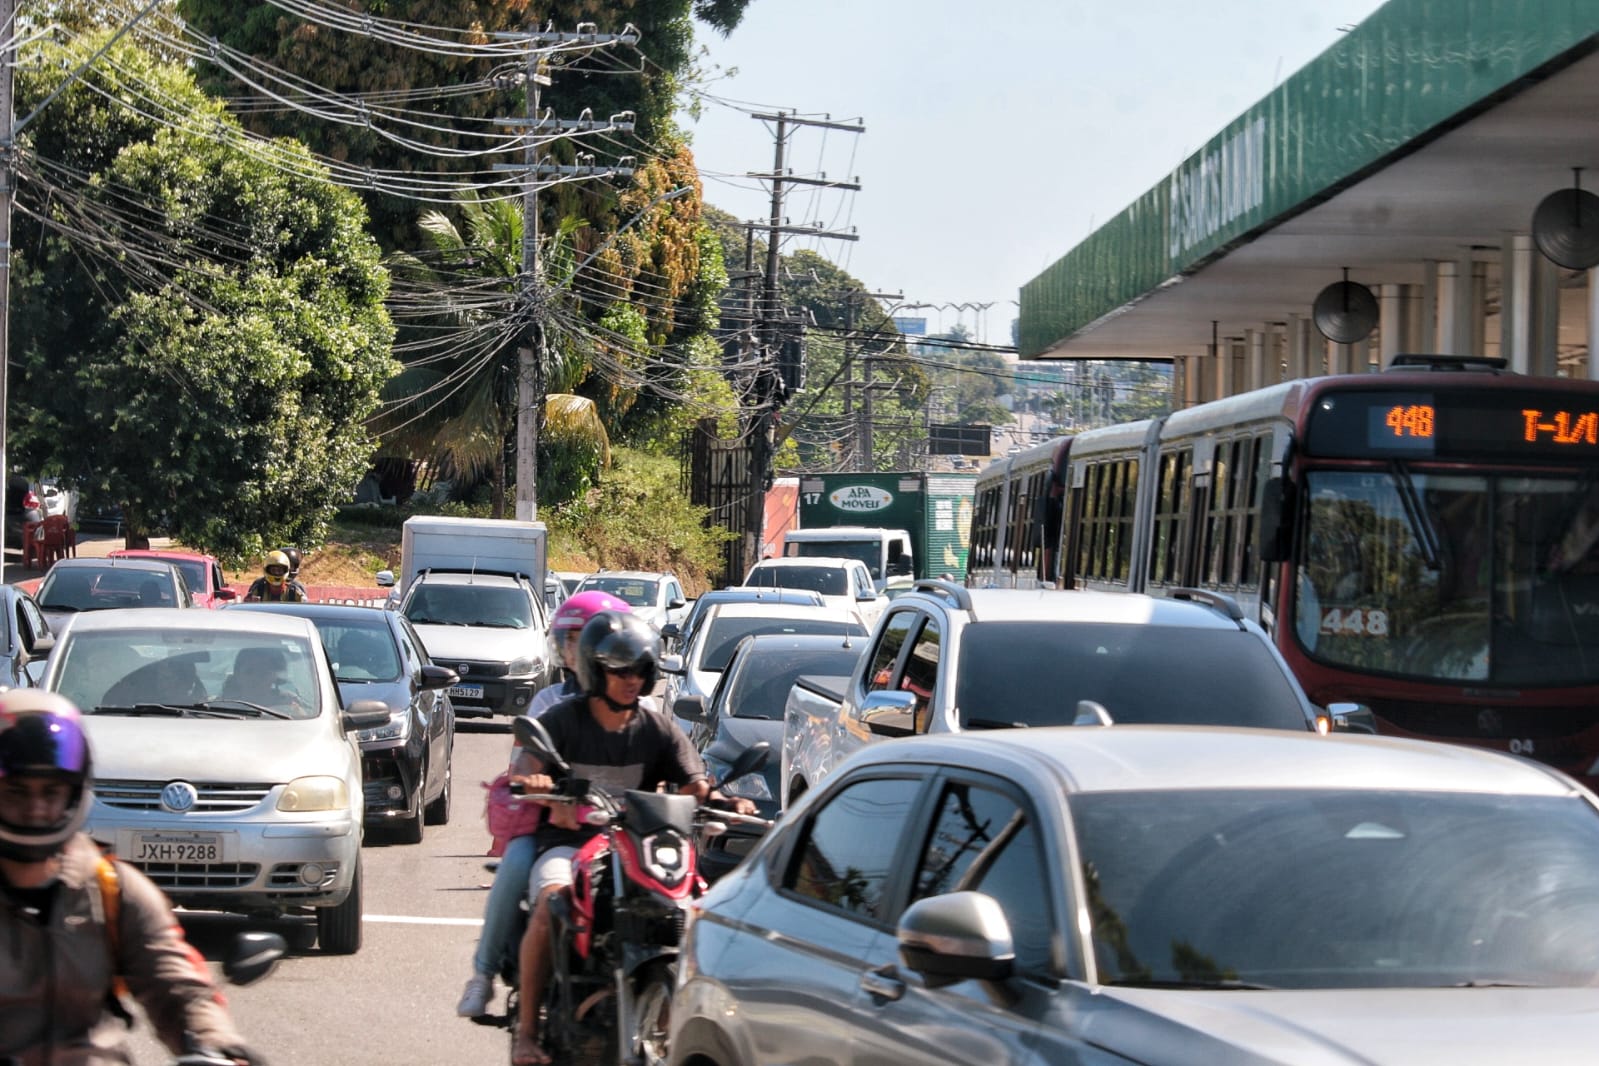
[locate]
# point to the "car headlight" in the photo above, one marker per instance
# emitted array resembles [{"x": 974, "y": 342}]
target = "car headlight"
[
  {"x": 523, "y": 666},
  {"x": 314, "y": 794},
  {"x": 399, "y": 728},
  {"x": 751, "y": 786}
]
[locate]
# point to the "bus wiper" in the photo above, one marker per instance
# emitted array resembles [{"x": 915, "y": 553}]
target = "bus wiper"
[{"x": 1416, "y": 512}]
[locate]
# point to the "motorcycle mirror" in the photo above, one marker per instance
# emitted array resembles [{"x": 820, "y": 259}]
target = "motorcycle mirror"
[
  {"x": 253, "y": 956},
  {"x": 535, "y": 740},
  {"x": 749, "y": 760}
]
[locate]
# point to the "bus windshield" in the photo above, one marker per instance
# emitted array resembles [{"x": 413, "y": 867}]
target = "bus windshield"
[{"x": 1490, "y": 578}]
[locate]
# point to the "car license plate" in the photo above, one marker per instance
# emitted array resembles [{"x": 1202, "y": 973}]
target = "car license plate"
[
  {"x": 178, "y": 847},
  {"x": 466, "y": 692}
]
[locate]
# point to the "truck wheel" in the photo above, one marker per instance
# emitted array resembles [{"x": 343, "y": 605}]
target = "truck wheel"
[{"x": 338, "y": 929}]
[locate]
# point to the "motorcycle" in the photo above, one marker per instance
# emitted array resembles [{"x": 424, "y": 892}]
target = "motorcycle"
[
  {"x": 616, "y": 930},
  {"x": 252, "y": 957}
]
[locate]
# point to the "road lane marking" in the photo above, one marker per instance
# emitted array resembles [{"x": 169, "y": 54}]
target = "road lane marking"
[{"x": 402, "y": 919}]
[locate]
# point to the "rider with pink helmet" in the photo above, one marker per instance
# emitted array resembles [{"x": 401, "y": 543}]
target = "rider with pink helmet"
[{"x": 510, "y": 879}]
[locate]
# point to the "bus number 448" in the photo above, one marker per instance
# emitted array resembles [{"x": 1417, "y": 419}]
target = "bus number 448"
[{"x": 1353, "y": 622}]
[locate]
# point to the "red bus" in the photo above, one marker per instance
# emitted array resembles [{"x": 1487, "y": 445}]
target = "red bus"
[{"x": 1422, "y": 543}]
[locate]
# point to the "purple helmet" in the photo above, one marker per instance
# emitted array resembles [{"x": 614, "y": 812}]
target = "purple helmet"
[
  {"x": 41, "y": 735},
  {"x": 575, "y": 613}
]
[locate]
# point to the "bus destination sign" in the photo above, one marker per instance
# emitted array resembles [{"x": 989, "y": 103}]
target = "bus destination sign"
[{"x": 1503, "y": 424}]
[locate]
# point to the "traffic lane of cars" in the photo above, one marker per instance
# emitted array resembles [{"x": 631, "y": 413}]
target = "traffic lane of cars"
[{"x": 1159, "y": 895}]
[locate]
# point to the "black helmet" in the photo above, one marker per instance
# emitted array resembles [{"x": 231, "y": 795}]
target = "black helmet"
[
  {"x": 294, "y": 559},
  {"x": 615, "y": 640},
  {"x": 41, "y": 735}
]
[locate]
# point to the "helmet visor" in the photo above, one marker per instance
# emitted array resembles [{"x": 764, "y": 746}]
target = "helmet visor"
[{"x": 42, "y": 743}]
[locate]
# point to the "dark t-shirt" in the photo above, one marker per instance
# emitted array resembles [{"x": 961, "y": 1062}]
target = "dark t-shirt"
[{"x": 646, "y": 753}]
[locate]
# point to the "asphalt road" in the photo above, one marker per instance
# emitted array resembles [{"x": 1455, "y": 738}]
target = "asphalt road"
[{"x": 393, "y": 1002}]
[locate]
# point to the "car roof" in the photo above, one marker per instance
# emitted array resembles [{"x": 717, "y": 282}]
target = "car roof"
[
  {"x": 742, "y": 609},
  {"x": 1082, "y": 605},
  {"x": 161, "y": 553},
  {"x": 755, "y": 593},
  {"x": 454, "y": 577},
  {"x": 1143, "y": 758},
  {"x": 329, "y": 611},
  {"x": 786, "y": 561},
  {"x": 233, "y": 621},
  {"x": 630, "y": 575},
  {"x": 154, "y": 566},
  {"x": 798, "y": 642}
]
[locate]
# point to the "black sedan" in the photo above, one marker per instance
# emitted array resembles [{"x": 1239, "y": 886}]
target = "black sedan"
[
  {"x": 405, "y": 764},
  {"x": 746, "y": 708}
]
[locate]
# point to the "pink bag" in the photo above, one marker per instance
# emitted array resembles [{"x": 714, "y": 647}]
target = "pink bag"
[{"x": 508, "y": 816}]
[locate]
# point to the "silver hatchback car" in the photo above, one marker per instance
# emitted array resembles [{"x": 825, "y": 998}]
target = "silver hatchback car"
[
  {"x": 225, "y": 766},
  {"x": 1156, "y": 895}
]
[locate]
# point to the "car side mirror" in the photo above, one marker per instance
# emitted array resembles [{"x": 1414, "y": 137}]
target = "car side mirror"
[
  {"x": 532, "y": 737},
  {"x": 677, "y": 605},
  {"x": 671, "y": 664},
  {"x": 889, "y": 712},
  {"x": 690, "y": 708},
  {"x": 41, "y": 646},
  {"x": 1347, "y": 718},
  {"x": 867, "y": 595},
  {"x": 385, "y": 579},
  {"x": 365, "y": 714},
  {"x": 670, "y": 631},
  {"x": 959, "y": 936},
  {"x": 435, "y": 676},
  {"x": 225, "y": 594}
]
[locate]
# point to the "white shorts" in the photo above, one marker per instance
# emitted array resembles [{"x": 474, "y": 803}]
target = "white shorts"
[{"x": 552, "y": 869}]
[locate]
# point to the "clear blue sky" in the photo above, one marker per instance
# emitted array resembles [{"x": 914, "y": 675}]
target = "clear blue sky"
[{"x": 998, "y": 135}]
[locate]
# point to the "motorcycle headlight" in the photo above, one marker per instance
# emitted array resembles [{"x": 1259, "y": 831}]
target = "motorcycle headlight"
[
  {"x": 314, "y": 794},
  {"x": 399, "y": 728}
]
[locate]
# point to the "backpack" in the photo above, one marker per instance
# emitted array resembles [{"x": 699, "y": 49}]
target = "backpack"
[{"x": 105, "y": 872}]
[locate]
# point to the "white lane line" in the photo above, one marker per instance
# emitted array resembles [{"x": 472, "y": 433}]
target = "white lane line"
[{"x": 401, "y": 919}]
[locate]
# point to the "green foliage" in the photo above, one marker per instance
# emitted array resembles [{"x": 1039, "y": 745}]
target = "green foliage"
[
  {"x": 639, "y": 518},
  {"x": 216, "y": 388}
]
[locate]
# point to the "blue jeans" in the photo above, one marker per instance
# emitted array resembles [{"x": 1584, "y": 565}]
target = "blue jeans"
[{"x": 505, "y": 897}]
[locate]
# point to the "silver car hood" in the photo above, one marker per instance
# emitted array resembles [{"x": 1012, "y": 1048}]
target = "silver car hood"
[
  {"x": 1368, "y": 1027},
  {"x": 264, "y": 750},
  {"x": 447, "y": 645}
]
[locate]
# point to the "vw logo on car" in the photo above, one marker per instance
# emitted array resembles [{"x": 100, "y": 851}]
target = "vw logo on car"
[{"x": 179, "y": 797}]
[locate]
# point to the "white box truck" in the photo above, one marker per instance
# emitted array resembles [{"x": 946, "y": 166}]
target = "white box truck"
[{"x": 473, "y": 588}]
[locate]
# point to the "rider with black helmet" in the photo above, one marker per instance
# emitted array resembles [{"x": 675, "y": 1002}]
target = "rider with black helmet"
[
  {"x": 617, "y": 739},
  {"x": 76, "y": 924}
]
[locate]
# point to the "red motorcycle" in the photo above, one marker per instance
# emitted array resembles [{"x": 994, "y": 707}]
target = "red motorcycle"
[{"x": 616, "y": 930}]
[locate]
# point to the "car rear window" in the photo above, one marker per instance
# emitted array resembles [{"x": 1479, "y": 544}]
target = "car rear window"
[
  {"x": 760, "y": 688},
  {"x": 1033, "y": 674},
  {"x": 828, "y": 580},
  {"x": 721, "y": 640}
]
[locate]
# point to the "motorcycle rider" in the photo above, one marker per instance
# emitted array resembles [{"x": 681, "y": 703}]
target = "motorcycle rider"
[
  {"x": 77, "y": 925},
  {"x": 293, "y": 555},
  {"x": 614, "y": 742},
  {"x": 275, "y": 585},
  {"x": 516, "y": 860}
]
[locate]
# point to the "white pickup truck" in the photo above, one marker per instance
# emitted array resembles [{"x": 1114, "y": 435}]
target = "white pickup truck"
[{"x": 944, "y": 659}]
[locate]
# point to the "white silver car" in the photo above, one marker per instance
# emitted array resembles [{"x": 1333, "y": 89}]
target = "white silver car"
[
  {"x": 656, "y": 598},
  {"x": 225, "y": 766},
  {"x": 1161, "y": 895}
]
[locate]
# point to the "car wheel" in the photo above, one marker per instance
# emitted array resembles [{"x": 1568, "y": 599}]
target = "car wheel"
[
  {"x": 438, "y": 812},
  {"x": 409, "y": 831},
  {"x": 338, "y": 929}
]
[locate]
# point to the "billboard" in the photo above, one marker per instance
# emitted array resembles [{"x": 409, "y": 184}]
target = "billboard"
[
  {"x": 911, "y": 327},
  {"x": 946, "y": 439}
]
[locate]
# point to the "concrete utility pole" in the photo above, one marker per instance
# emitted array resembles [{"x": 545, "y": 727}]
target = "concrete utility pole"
[
  {"x": 764, "y": 395},
  {"x": 864, "y": 456},
  {"x": 530, "y": 385}
]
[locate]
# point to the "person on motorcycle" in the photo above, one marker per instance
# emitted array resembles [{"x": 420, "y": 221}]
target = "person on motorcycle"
[
  {"x": 611, "y": 739},
  {"x": 78, "y": 928},
  {"x": 293, "y": 555},
  {"x": 516, "y": 860},
  {"x": 275, "y": 585}
]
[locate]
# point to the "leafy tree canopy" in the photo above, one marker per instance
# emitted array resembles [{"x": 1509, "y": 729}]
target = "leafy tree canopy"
[{"x": 199, "y": 331}]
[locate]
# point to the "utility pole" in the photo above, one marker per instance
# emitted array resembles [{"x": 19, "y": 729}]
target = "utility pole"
[
  {"x": 530, "y": 385},
  {"x": 864, "y": 457},
  {"x": 764, "y": 396}
]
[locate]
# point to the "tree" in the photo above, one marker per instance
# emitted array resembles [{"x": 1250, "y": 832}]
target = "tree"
[{"x": 199, "y": 329}]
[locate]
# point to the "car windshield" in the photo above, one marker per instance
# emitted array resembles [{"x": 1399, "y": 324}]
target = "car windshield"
[
  {"x": 1033, "y": 674},
  {"x": 635, "y": 591},
  {"x": 1451, "y": 576},
  {"x": 1340, "y": 889},
  {"x": 360, "y": 652},
  {"x": 210, "y": 672},
  {"x": 99, "y": 589},
  {"x": 722, "y": 638},
  {"x": 869, "y": 552},
  {"x": 469, "y": 605},
  {"x": 828, "y": 580},
  {"x": 758, "y": 686}
]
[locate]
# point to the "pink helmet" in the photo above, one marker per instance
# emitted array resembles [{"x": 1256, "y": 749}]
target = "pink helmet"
[{"x": 575, "y": 612}]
